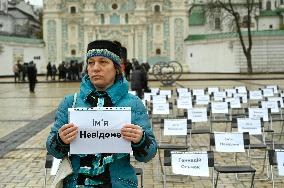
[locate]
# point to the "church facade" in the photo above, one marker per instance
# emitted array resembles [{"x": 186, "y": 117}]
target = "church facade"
[{"x": 151, "y": 30}]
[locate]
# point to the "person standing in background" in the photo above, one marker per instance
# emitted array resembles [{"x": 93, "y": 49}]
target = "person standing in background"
[
  {"x": 16, "y": 71},
  {"x": 32, "y": 73},
  {"x": 48, "y": 71}
]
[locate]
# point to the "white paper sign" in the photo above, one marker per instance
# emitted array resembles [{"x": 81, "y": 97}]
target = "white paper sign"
[
  {"x": 190, "y": 163},
  {"x": 241, "y": 89},
  {"x": 220, "y": 107},
  {"x": 243, "y": 96},
  {"x": 234, "y": 102},
  {"x": 230, "y": 92},
  {"x": 252, "y": 126},
  {"x": 175, "y": 127},
  {"x": 197, "y": 114},
  {"x": 55, "y": 166},
  {"x": 274, "y": 87},
  {"x": 213, "y": 89},
  {"x": 184, "y": 95},
  {"x": 99, "y": 130},
  {"x": 280, "y": 99},
  {"x": 147, "y": 96},
  {"x": 257, "y": 113},
  {"x": 159, "y": 99},
  {"x": 229, "y": 142},
  {"x": 184, "y": 103},
  {"x": 255, "y": 95},
  {"x": 182, "y": 90},
  {"x": 280, "y": 162},
  {"x": 202, "y": 99},
  {"x": 273, "y": 105},
  {"x": 161, "y": 108},
  {"x": 154, "y": 91},
  {"x": 198, "y": 92},
  {"x": 268, "y": 92},
  {"x": 166, "y": 92},
  {"x": 218, "y": 96}
]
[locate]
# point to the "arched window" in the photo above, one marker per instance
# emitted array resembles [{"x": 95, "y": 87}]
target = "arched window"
[
  {"x": 126, "y": 18},
  {"x": 268, "y": 5},
  {"x": 217, "y": 23},
  {"x": 102, "y": 19},
  {"x": 158, "y": 51},
  {"x": 73, "y": 10},
  {"x": 157, "y": 9},
  {"x": 73, "y": 52}
]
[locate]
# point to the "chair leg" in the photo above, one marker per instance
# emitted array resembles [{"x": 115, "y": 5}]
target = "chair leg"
[
  {"x": 252, "y": 180},
  {"x": 142, "y": 179},
  {"x": 216, "y": 181},
  {"x": 45, "y": 174}
]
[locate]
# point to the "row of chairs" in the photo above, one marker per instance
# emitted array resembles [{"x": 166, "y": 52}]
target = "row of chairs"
[{"x": 166, "y": 161}]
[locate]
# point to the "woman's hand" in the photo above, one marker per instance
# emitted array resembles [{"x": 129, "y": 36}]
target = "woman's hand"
[
  {"x": 68, "y": 133},
  {"x": 133, "y": 133}
]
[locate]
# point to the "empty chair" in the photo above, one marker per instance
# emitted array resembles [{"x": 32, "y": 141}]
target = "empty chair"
[
  {"x": 178, "y": 165},
  {"x": 232, "y": 143}
]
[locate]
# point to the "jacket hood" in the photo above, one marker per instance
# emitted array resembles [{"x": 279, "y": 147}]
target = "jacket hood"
[{"x": 115, "y": 92}]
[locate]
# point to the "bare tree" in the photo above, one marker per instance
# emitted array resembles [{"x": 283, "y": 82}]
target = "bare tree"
[{"x": 233, "y": 8}]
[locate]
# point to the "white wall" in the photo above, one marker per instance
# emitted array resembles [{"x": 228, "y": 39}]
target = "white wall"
[
  {"x": 216, "y": 56},
  {"x": 29, "y": 51},
  {"x": 227, "y": 56},
  {"x": 265, "y": 22}
]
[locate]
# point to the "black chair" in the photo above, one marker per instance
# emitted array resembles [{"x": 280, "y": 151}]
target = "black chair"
[
  {"x": 258, "y": 144},
  {"x": 199, "y": 128},
  {"x": 273, "y": 162},
  {"x": 172, "y": 140},
  {"x": 226, "y": 169},
  {"x": 168, "y": 163}
]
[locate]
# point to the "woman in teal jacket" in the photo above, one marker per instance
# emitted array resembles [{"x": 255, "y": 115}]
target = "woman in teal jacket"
[{"x": 103, "y": 86}]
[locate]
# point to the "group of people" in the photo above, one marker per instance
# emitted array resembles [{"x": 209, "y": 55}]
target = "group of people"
[
  {"x": 66, "y": 71},
  {"x": 103, "y": 85},
  {"x": 27, "y": 69}
]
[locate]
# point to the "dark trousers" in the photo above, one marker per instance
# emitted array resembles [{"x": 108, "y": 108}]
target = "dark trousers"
[{"x": 32, "y": 83}]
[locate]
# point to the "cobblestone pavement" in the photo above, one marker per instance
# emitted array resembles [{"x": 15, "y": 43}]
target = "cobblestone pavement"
[{"x": 25, "y": 121}]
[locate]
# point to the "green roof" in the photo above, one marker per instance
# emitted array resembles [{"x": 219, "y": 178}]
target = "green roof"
[
  {"x": 233, "y": 35},
  {"x": 197, "y": 17},
  {"x": 22, "y": 40},
  {"x": 268, "y": 13}
]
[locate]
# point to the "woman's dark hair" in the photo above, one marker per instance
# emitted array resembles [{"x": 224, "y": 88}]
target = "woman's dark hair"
[{"x": 119, "y": 73}]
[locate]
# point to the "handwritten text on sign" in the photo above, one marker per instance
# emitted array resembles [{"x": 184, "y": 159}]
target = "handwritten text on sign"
[
  {"x": 100, "y": 130},
  {"x": 190, "y": 163},
  {"x": 229, "y": 142},
  {"x": 252, "y": 126},
  {"x": 175, "y": 127}
]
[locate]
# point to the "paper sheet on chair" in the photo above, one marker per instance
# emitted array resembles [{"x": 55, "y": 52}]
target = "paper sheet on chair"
[
  {"x": 189, "y": 163},
  {"x": 229, "y": 142},
  {"x": 280, "y": 162}
]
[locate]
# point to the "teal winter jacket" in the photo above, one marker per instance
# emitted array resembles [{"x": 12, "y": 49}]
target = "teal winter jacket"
[{"x": 122, "y": 174}]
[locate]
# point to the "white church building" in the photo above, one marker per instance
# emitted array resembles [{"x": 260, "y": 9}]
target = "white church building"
[{"x": 153, "y": 31}]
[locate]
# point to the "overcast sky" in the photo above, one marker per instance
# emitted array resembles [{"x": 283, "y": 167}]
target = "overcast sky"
[{"x": 35, "y": 2}]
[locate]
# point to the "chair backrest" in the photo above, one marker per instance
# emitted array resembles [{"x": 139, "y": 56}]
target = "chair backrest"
[
  {"x": 48, "y": 161},
  {"x": 272, "y": 157}
]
